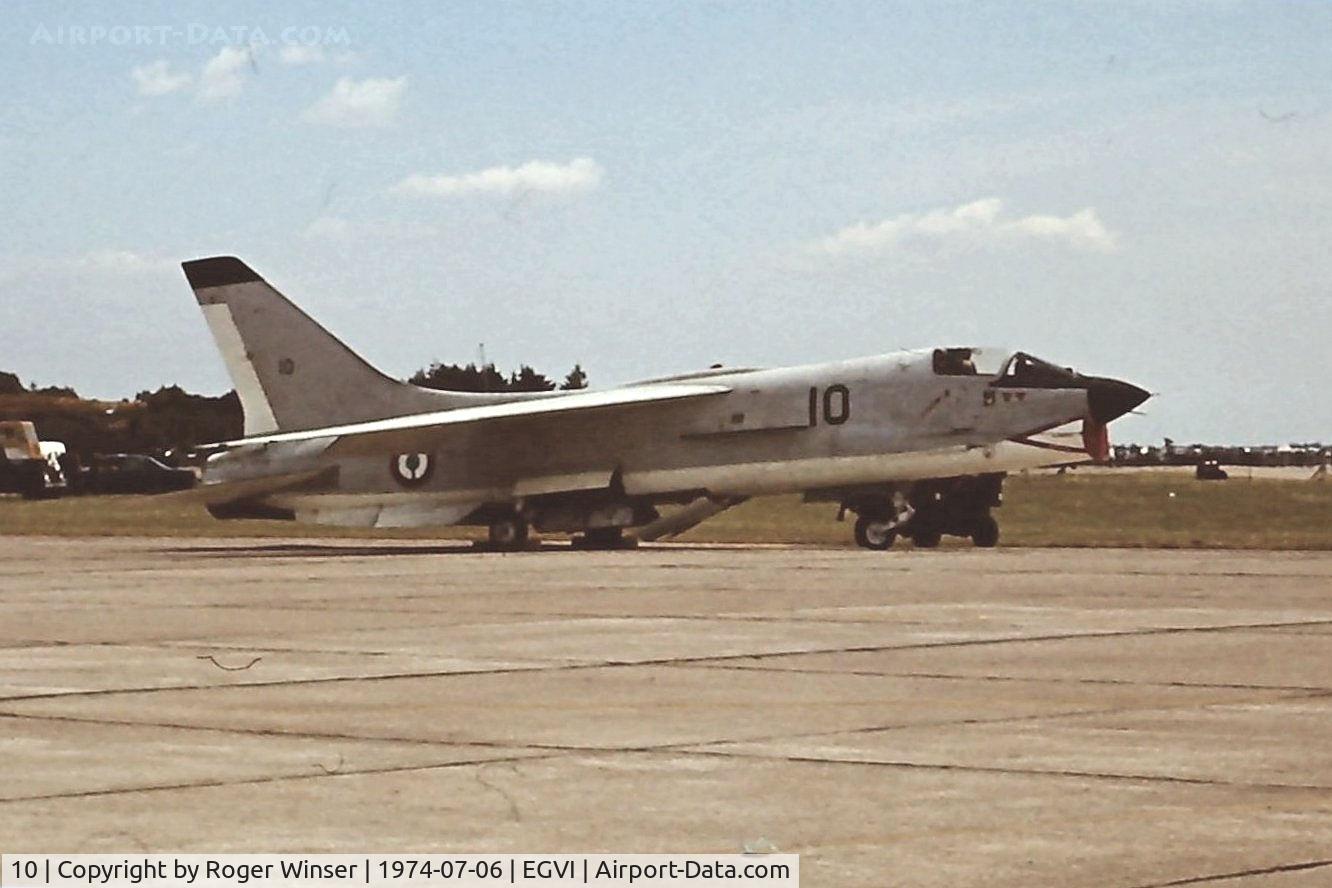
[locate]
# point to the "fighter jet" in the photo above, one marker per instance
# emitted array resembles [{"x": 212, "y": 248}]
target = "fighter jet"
[{"x": 915, "y": 443}]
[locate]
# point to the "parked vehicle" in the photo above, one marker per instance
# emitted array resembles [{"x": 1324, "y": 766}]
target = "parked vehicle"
[
  {"x": 28, "y": 465},
  {"x": 135, "y": 473}
]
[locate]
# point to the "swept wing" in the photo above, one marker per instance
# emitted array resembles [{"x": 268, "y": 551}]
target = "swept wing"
[{"x": 404, "y": 434}]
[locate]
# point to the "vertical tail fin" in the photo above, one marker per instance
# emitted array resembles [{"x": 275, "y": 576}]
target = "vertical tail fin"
[{"x": 292, "y": 374}]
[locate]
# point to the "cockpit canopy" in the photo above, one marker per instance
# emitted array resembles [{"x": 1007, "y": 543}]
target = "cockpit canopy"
[
  {"x": 1017, "y": 369},
  {"x": 1025, "y": 371}
]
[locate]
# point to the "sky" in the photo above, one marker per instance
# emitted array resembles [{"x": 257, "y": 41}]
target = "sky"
[{"x": 1139, "y": 190}]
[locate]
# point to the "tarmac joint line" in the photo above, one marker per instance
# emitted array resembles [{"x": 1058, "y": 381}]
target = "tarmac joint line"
[{"x": 1242, "y": 874}]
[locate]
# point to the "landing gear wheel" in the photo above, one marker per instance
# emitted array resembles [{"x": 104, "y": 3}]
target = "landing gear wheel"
[
  {"x": 604, "y": 538},
  {"x": 509, "y": 533},
  {"x": 926, "y": 539},
  {"x": 986, "y": 533},
  {"x": 874, "y": 534}
]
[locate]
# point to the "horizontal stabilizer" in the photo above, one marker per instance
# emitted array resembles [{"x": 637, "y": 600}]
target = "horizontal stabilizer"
[{"x": 253, "y": 488}]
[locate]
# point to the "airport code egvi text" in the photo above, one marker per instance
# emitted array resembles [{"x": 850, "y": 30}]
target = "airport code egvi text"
[{"x": 330, "y": 870}]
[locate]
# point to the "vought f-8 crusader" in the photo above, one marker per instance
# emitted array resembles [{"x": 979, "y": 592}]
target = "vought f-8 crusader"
[{"x": 915, "y": 443}]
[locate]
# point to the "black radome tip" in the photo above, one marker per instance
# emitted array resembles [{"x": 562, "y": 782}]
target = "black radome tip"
[{"x": 1109, "y": 399}]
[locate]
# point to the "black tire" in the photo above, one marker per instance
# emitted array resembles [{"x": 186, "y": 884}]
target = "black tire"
[
  {"x": 926, "y": 539},
  {"x": 34, "y": 486},
  {"x": 509, "y": 533},
  {"x": 870, "y": 536},
  {"x": 604, "y": 538},
  {"x": 986, "y": 533}
]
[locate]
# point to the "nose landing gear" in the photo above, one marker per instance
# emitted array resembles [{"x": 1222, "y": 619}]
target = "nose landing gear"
[
  {"x": 928, "y": 510},
  {"x": 875, "y": 533},
  {"x": 986, "y": 532}
]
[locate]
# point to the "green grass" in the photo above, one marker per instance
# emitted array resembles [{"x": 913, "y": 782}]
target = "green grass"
[
  {"x": 169, "y": 515},
  {"x": 1132, "y": 509},
  {"x": 1089, "y": 509},
  {"x": 1137, "y": 509}
]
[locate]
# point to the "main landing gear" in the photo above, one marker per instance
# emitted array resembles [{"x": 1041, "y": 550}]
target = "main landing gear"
[
  {"x": 512, "y": 533},
  {"x": 927, "y": 510},
  {"x": 603, "y": 538},
  {"x": 509, "y": 533}
]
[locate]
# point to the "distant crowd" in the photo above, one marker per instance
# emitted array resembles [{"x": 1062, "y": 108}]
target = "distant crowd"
[{"x": 1172, "y": 454}]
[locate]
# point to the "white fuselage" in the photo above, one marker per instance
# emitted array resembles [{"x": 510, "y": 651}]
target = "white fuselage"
[{"x": 889, "y": 418}]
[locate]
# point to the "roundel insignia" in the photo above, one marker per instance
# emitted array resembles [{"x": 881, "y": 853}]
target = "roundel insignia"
[{"x": 412, "y": 469}]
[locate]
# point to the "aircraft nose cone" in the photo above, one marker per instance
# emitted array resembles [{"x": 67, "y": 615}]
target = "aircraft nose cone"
[{"x": 1109, "y": 399}]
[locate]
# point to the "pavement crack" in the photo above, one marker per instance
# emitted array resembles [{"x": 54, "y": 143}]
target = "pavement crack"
[
  {"x": 213, "y": 660},
  {"x": 503, "y": 793}
]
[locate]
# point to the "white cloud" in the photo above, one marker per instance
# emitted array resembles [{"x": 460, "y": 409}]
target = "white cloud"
[
  {"x": 981, "y": 221},
  {"x": 121, "y": 262},
  {"x": 95, "y": 264},
  {"x": 223, "y": 74},
  {"x": 329, "y": 228},
  {"x": 580, "y": 174},
  {"x": 362, "y": 231},
  {"x": 1082, "y": 229},
  {"x": 157, "y": 79},
  {"x": 296, "y": 54},
  {"x": 359, "y": 103}
]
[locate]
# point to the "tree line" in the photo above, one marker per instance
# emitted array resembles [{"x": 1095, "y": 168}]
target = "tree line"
[
  {"x": 486, "y": 378},
  {"x": 172, "y": 420}
]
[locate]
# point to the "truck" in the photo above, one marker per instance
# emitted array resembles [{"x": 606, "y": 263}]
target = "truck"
[{"x": 28, "y": 465}]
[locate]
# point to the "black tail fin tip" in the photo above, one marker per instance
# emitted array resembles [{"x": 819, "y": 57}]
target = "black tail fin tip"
[{"x": 218, "y": 271}]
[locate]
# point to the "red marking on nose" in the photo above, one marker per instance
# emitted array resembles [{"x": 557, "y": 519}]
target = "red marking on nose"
[{"x": 1096, "y": 439}]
